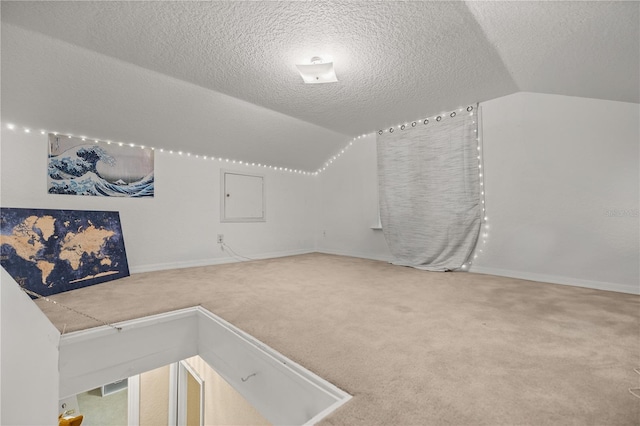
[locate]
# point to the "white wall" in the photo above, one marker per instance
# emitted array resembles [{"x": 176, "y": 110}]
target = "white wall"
[
  {"x": 347, "y": 204},
  {"x": 53, "y": 85},
  {"x": 554, "y": 165},
  {"x": 29, "y": 359},
  {"x": 178, "y": 227}
]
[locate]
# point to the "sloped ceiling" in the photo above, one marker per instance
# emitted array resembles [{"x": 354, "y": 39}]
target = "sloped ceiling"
[{"x": 395, "y": 61}]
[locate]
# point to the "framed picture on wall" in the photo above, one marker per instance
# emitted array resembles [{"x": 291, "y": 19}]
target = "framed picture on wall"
[
  {"x": 52, "y": 251},
  {"x": 103, "y": 169}
]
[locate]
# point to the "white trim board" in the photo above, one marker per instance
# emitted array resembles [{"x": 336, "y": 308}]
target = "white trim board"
[
  {"x": 90, "y": 358},
  {"x": 530, "y": 276},
  {"x": 183, "y": 369},
  {"x": 281, "y": 390},
  {"x": 172, "y": 412},
  {"x": 557, "y": 279},
  {"x": 133, "y": 400}
]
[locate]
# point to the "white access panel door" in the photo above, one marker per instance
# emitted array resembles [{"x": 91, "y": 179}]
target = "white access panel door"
[{"x": 243, "y": 198}]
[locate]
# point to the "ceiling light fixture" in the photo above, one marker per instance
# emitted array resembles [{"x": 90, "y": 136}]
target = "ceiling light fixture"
[{"x": 317, "y": 72}]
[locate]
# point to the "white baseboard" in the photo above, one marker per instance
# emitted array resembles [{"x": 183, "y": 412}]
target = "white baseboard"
[
  {"x": 214, "y": 261},
  {"x": 553, "y": 279},
  {"x": 372, "y": 256},
  {"x": 557, "y": 279}
]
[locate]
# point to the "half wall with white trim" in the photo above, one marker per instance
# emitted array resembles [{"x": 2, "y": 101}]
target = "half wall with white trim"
[
  {"x": 52, "y": 367},
  {"x": 281, "y": 390}
]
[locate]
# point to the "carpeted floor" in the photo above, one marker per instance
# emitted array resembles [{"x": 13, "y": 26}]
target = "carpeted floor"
[
  {"x": 412, "y": 347},
  {"x": 108, "y": 410}
]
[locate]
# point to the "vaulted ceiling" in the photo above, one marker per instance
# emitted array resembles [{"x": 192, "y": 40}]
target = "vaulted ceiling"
[{"x": 395, "y": 61}]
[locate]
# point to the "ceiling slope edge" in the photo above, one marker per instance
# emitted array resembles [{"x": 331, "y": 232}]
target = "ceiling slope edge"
[{"x": 28, "y": 102}]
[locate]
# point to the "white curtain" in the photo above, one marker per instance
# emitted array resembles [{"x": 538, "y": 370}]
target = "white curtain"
[{"x": 429, "y": 189}]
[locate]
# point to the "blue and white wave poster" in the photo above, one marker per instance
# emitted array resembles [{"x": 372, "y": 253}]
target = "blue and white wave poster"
[{"x": 78, "y": 167}]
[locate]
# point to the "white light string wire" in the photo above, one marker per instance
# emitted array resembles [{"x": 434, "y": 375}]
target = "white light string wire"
[
  {"x": 54, "y": 302},
  {"x": 484, "y": 222},
  {"x": 407, "y": 125},
  {"x": 400, "y": 127},
  {"x": 635, "y": 391},
  {"x": 233, "y": 253},
  {"x": 14, "y": 127},
  {"x": 473, "y": 110}
]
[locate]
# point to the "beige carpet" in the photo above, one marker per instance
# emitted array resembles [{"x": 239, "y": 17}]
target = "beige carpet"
[{"x": 413, "y": 347}]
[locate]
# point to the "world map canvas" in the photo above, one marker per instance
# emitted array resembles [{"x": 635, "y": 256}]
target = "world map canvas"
[
  {"x": 104, "y": 169},
  {"x": 51, "y": 251}
]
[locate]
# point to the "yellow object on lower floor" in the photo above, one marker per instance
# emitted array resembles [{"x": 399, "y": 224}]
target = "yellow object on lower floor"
[{"x": 70, "y": 421}]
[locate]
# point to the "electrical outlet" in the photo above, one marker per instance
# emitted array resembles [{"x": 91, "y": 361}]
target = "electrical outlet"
[{"x": 220, "y": 238}]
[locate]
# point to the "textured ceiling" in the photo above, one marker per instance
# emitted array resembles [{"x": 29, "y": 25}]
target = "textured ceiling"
[
  {"x": 395, "y": 61},
  {"x": 587, "y": 49}
]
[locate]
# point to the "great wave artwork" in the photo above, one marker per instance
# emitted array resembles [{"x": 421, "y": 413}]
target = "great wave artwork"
[
  {"x": 81, "y": 167},
  {"x": 51, "y": 251}
]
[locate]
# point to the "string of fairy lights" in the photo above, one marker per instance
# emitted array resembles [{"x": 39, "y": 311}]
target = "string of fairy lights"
[
  {"x": 325, "y": 166},
  {"x": 483, "y": 236},
  {"x": 438, "y": 118}
]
